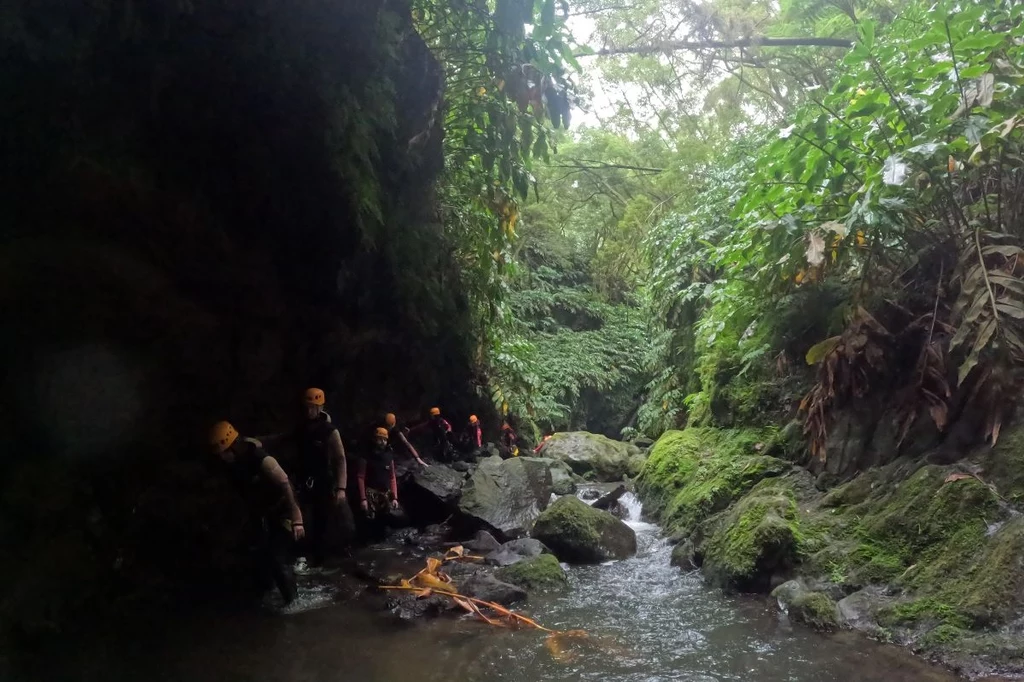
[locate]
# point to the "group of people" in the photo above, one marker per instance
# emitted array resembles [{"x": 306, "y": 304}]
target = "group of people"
[{"x": 302, "y": 500}]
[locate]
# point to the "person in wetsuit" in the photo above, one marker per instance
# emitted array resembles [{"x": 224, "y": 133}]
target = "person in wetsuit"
[
  {"x": 440, "y": 430},
  {"x": 509, "y": 441},
  {"x": 376, "y": 479},
  {"x": 275, "y": 520},
  {"x": 397, "y": 439},
  {"x": 321, "y": 479},
  {"x": 471, "y": 438}
]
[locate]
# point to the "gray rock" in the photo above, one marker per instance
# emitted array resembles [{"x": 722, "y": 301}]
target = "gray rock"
[
  {"x": 482, "y": 543},
  {"x": 507, "y": 496},
  {"x": 682, "y": 556},
  {"x": 814, "y": 609},
  {"x": 563, "y": 482},
  {"x": 514, "y": 551},
  {"x": 461, "y": 467},
  {"x": 859, "y": 609},
  {"x": 438, "y": 481},
  {"x": 595, "y": 456},
  {"x": 609, "y": 500},
  {"x": 488, "y": 588},
  {"x": 577, "y": 533},
  {"x": 590, "y": 494}
]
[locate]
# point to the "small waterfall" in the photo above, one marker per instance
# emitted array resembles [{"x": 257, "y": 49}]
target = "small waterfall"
[{"x": 632, "y": 506}]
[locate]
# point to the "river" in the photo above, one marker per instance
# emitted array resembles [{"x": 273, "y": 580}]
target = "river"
[{"x": 647, "y": 622}]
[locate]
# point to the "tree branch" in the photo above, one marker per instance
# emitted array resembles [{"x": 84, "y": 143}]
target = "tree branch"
[{"x": 754, "y": 41}]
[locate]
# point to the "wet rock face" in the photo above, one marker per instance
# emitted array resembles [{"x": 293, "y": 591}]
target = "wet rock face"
[
  {"x": 595, "y": 457},
  {"x": 487, "y": 587},
  {"x": 514, "y": 551},
  {"x": 577, "y": 533},
  {"x": 506, "y": 496}
]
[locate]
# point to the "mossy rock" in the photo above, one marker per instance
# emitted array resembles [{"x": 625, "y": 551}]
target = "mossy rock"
[
  {"x": 578, "y": 533},
  {"x": 756, "y": 539},
  {"x": 595, "y": 457},
  {"x": 693, "y": 474},
  {"x": 539, "y": 573},
  {"x": 813, "y": 609}
]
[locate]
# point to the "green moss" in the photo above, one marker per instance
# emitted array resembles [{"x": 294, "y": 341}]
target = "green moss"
[
  {"x": 539, "y": 573},
  {"x": 816, "y": 610},
  {"x": 578, "y": 533},
  {"x": 756, "y": 538},
  {"x": 1004, "y": 464},
  {"x": 941, "y": 636},
  {"x": 695, "y": 473}
]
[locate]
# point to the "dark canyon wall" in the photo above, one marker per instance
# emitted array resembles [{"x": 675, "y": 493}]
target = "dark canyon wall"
[{"x": 208, "y": 206}]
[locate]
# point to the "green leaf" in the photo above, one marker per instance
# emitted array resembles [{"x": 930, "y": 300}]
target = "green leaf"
[
  {"x": 982, "y": 40},
  {"x": 818, "y": 351}
]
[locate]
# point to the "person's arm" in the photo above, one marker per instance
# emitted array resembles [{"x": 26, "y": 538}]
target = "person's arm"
[
  {"x": 276, "y": 474},
  {"x": 361, "y": 481},
  {"x": 394, "y": 487},
  {"x": 408, "y": 446},
  {"x": 447, "y": 426},
  {"x": 337, "y": 450},
  {"x": 479, "y": 437}
]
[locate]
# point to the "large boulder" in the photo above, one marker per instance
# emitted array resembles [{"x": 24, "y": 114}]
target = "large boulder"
[
  {"x": 506, "y": 496},
  {"x": 756, "y": 541},
  {"x": 431, "y": 494},
  {"x": 594, "y": 456},
  {"x": 542, "y": 572},
  {"x": 577, "y": 533}
]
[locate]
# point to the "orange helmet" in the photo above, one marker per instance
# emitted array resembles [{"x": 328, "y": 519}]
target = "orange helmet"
[
  {"x": 473, "y": 419},
  {"x": 222, "y": 436},
  {"x": 382, "y": 432},
  {"x": 435, "y": 411},
  {"x": 314, "y": 396},
  {"x": 390, "y": 420},
  {"x": 505, "y": 426}
]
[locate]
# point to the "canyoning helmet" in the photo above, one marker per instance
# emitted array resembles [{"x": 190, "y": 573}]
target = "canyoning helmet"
[
  {"x": 314, "y": 396},
  {"x": 222, "y": 436},
  {"x": 435, "y": 411}
]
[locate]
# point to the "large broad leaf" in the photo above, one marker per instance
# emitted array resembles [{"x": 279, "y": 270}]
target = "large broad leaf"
[
  {"x": 895, "y": 171},
  {"x": 818, "y": 351}
]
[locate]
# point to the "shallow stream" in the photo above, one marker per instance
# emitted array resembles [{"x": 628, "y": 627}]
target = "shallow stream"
[{"x": 646, "y": 621}]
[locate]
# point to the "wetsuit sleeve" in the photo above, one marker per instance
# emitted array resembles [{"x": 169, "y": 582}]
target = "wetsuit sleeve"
[
  {"x": 447, "y": 426},
  {"x": 361, "y": 478},
  {"x": 394, "y": 484},
  {"x": 340, "y": 461},
  {"x": 408, "y": 446},
  {"x": 479, "y": 438}
]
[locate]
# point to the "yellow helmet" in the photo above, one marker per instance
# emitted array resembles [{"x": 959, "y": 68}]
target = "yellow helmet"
[
  {"x": 473, "y": 419},
  {"x": 222, "y": 436},
  {"x": 435, "y": 411},
  {"x": 390, "y": 420},
  {"x": 314, "y": 396},
  {"x": 382, "y": 432}
]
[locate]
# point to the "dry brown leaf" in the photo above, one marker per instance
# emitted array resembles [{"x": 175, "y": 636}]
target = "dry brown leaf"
[{"x": 956, "y": 476}]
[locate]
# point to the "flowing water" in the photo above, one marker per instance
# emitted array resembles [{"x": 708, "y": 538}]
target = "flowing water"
[{"x": 646, "y": 621}]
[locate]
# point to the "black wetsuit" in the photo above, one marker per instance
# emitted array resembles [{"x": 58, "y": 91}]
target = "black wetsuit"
[
  {"x": 328, "y": 524},
  {"x": 270, "y": 538}
]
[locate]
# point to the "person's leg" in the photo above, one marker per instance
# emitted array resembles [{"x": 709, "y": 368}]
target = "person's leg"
[{"x": 279, "y": 559}]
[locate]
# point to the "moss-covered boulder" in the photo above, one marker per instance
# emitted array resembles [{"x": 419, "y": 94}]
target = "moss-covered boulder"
[
  {"x": 539, "y": 573},
  {"x": 813, "y": 609},
  {"x": 693, "y": 474},
  {"x": 579, "y": 534},
  {"x": 596, "y": 457},
  {"x": 756, "y": 539}
]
